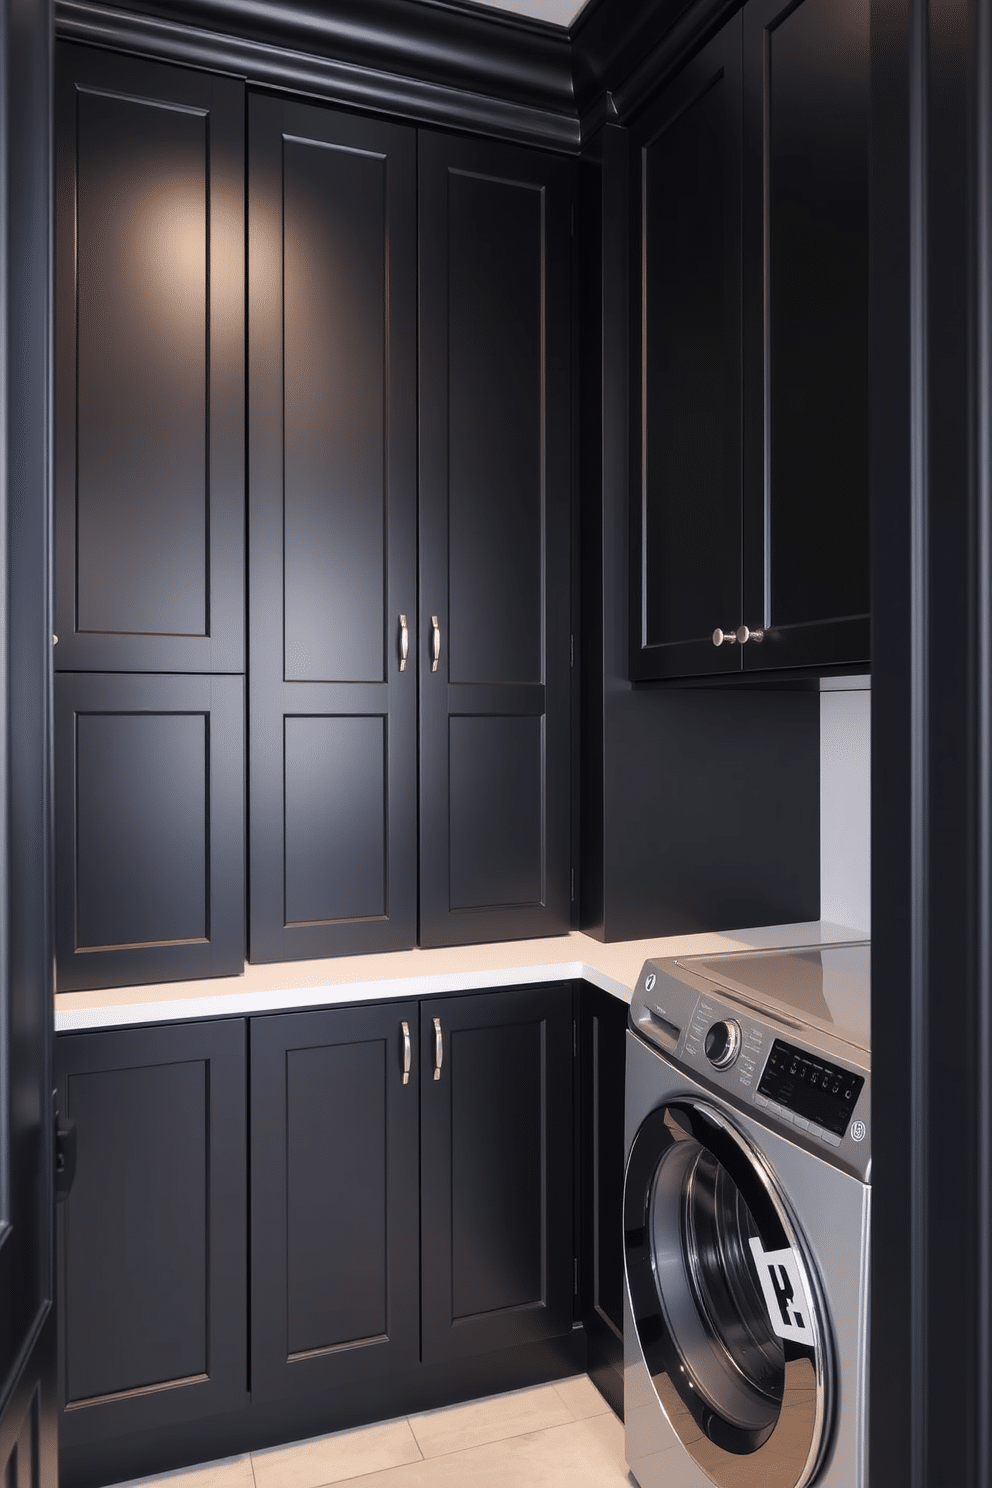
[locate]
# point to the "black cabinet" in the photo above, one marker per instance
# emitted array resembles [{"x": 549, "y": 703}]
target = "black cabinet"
[
  {"x": 149, "y": 343},
  {"x": 496, "y": 1170},
  {"x": 149, "y": 828},
  {"x": 495, "y": 388},
  {"x": 372, "y": 1251},
  {"x": 750, "y": 365},
  {"x": 150, "y": 545},
  {"x": 349, "y": 1213},
  {"x": 338, "y": 645},
  {"x": 333, "y": 532},
  {"x": 152, "y": 1252},
  {"x": 335, "y": 1208}
]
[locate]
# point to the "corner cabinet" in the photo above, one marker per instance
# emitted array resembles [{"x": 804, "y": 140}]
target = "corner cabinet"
[
  {"x": 346, "y": 676},
  {"x": 749, "y": 530}
]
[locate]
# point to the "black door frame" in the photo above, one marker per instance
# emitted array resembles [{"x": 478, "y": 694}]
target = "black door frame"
[
  {"x": 932, "y": 688},
  {"x": 28, "y": 1403}
]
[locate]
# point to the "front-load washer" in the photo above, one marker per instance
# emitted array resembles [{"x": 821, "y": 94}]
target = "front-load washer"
[{"x": 746, "y": 1220}]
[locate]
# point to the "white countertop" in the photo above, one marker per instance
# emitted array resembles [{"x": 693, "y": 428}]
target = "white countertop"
[{"x": 416, "y": 973}]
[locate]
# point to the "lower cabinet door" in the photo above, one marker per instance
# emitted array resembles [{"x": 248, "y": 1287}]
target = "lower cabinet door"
[
  {"x": 334, "y": 1197},
  {"x": 496, "y": 1170},
  {"x": 152, "y": 1242}
]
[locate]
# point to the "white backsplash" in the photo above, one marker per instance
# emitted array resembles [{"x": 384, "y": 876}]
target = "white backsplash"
[{"x": 845, "y": 802}]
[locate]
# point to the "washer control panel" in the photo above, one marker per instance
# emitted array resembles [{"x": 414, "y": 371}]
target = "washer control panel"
[
  {"x": 810, "y": 1089},
  {"x": 817, "y": 1092}
]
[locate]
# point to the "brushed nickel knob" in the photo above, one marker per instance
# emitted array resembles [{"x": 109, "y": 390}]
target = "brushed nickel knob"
[
  {"x": 725, "y": 637},
  {"x": 744, "y": 635}
]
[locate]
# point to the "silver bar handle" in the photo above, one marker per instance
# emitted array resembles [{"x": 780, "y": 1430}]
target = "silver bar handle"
[
  {"x": 438, "y": 1048},
  {"x": 435, "y": 649},
  {"x": 404, "y": 642},
  {"x": 407, "y": 1052}
]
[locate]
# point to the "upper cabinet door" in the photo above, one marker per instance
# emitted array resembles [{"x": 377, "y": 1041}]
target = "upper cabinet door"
[
  {"x": 332, "y": 532},
  {"x": 686, "y": 497},
  {"x": 149, "y": 331},
  {"x": 495, "y": 434},
  {"x": 806, "y": 73}
]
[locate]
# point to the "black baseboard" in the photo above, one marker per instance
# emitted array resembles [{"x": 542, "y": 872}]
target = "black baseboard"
[{"x": 269, "y": 1423}]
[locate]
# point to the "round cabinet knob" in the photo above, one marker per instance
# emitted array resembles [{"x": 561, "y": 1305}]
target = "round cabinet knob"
[
  {"x": 723, "y": 1043},
  {"x": 744, "y": 635},
  {"x": 725, "y": 637}
]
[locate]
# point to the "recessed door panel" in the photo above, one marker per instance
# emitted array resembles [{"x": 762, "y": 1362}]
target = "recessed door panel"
[
  {"x": 496, "y": 785},
  {"x": 136, "y": 1272},
  {"x": 335, "y": 302},
  {"x": 141, "y": 220},
  {"x": 330, "y": 1154},
  {"x": 496, "y": 264},
  {"x": 496, "y": 1169},
  {"x": 817, "y": 226},
  {"x": 141, "y": 828},
  {"x": 336, "y": 788}
]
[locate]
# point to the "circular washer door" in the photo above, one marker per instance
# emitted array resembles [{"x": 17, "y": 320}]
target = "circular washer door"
[{"x": 722, "y": 1299}]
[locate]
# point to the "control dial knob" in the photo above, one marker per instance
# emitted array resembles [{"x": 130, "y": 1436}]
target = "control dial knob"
[{"x": 723, "y": 1043}]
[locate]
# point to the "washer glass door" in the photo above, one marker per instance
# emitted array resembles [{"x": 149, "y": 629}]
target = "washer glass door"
[{"x": 723, "y": 1301}]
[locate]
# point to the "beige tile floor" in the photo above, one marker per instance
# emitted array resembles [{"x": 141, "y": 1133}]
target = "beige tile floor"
[{"x": 547, "y": 1437}]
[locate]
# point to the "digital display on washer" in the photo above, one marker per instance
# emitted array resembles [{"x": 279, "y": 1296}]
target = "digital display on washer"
[{"x": 815, "y": 1089}]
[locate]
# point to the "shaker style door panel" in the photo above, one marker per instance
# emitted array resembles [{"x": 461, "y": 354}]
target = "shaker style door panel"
[
  {"x": 149, "y": 828},
  {"x": 806, "y": 70},
  {"x": 153, "y": 1255},
  {"x": 149, "y": 337},
  {"x": 335, "y": 1198},
  {"x": 686, "y": 506},
  {"x": 333, "y": 532},
  {"x": 494, "y": 541},
  {"x": 496, "y": 1170}
]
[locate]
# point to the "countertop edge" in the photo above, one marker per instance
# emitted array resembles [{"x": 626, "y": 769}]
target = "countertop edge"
[{"x": 613, "y": 967}]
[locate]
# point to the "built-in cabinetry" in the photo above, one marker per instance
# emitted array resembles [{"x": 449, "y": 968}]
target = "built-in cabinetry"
[
  {"x": 345, "y": 397},
  {"x": 338, "y": 537},
  {"x": 395, "y": 1179},
  {"x": 749, "y": 188}
]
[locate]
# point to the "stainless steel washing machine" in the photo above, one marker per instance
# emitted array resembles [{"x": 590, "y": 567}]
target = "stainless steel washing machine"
[{"x": 747, "y": 1206}]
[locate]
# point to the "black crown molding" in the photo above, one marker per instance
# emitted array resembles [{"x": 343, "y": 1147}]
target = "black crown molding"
[
  {"x": 424, "y": 60},
  {"x": 440, "y": 62}
]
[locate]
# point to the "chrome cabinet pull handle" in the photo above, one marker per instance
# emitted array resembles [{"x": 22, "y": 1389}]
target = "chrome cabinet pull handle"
[
  {"x": 438, "y": 1049},
  {"x": 407, "y": 1052},
  {"x": 435, "y": 643},
  {"x": 724, "y": 637},
  {"x": 404, "y": 642}
]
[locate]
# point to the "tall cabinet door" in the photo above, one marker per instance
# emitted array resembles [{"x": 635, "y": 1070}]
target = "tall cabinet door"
[
  {"x": 806, "y": 128},
  {"x": 149, "y": 340},
  {"x": 494, "y": 541},
  {"x": 332, "y": 532},
  {"x": 496, "y": 1170},
  {"x": 334, "y": 1197},
  {"x": 685, "y": 539}
]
